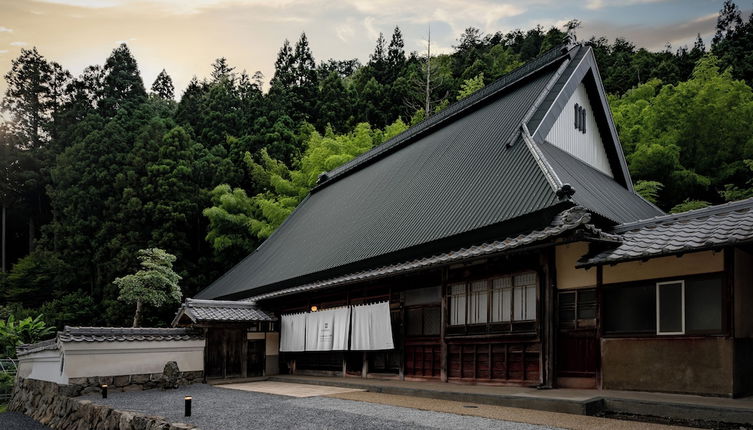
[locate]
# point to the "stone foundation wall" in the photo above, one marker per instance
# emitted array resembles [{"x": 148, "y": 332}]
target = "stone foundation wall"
[
  {"x": 56, "y": 406},
  {"x": 132, "y": 382}
]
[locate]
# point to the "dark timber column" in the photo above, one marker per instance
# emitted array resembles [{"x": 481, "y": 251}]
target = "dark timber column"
[
  {"x": 599, "y": 319},
  {"x": 548, "y": 301},
  {"x": 443, "y": 323}
]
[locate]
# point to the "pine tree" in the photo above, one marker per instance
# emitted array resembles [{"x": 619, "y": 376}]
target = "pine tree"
[
  {"x": 221, "y": 69},
  {"x": 122, "y": 86},
  {"x": 163, "y": 86},
  {"x": 396, "y": 54},
  {"x": 728, "y": 21},
  {"x": 35, "y": 91}
]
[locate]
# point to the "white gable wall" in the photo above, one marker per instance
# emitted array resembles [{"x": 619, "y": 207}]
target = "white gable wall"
[{"x": 588, "y": 146}]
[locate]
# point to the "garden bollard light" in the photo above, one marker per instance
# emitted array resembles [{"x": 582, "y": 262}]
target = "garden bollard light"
[
  {"x": 188, "y": 406},
  {"x": 104, "y": 391}
]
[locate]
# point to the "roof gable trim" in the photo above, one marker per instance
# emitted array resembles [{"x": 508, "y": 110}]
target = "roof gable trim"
[{"x": 611, "y": 141}]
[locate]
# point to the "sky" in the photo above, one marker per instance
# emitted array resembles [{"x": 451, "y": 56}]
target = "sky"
[{"x": 185, "y": 36}]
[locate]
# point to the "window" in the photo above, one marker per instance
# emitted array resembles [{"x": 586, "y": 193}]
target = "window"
[
  {"x": 524, "y": 297},
  {"x": 670, "y": 307},
  {"x": 630, "y": 309},
  {"x": 479, "y": 303},
  {"x": 577, "y": 116},
  {"x": 577, "y": 308},
  {"x": 689, "y": 306},
  {"x": 580, "y": 118},
  {"x": 457, "y": 304},
  {"x": 504, "y": 299},
  {"x": 422, "y": 321}
]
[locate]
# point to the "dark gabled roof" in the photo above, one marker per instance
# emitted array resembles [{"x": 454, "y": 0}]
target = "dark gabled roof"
[
  {"x": 569, "y": 220},
  {"x": 470, "y": 173},
  {"x": 709, "y": 228},
  {"x": 597, "y": 191},
  {"x": 201, "y": 311}
]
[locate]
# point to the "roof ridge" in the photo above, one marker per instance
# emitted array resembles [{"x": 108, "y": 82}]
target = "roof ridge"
[
  {"x": 547, "y": 58},
  {"x": 691, "y": 214}
]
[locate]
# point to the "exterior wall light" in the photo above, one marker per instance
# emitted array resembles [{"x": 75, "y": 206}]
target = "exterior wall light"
[
  {"x": 314, "y": 309},
  {"x": 104, "y": 391}
]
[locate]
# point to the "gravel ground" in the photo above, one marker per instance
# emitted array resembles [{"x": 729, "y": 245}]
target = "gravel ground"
[
  {"x": 17, "y": 421},
  {"x": 224, "y": 409}
]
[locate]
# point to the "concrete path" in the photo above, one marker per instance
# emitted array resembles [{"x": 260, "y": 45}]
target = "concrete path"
[
  {"x": 289, "y": 389},
  {"x": 543, "y": 418},
  {"x": 693, "y": 410}
]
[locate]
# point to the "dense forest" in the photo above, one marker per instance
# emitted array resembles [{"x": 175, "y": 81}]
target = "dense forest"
[{"x": 98, "y": 166}]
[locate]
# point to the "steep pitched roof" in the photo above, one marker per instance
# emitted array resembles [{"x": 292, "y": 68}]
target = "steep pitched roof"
[
  {"x": 696, "y": 230},
  {"x": 470, "y": 173},
  {"x": 597, "y": 191}
]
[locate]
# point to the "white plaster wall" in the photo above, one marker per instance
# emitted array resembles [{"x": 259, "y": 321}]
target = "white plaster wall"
[
  {"x": 587, "y": 147},
  {"x": 129, "y": 358},
  {"x": 42, "y": 365}
]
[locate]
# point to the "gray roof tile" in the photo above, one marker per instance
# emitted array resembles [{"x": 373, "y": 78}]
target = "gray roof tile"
[
  {"x": 221, "y": 311},
  {"x": 700, "y": 229}
]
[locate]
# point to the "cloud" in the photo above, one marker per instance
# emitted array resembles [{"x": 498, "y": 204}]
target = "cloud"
[
  {"x": 5, "y": 29},
  {"x": 345, "y": 31},
  {"x": 600, "y": 4},
  {"x": 174, "y": 7},
  {"x": 650, "y": 37},
  {"x": 3, "y": 51},
  {"x": 18, "y": 43}
]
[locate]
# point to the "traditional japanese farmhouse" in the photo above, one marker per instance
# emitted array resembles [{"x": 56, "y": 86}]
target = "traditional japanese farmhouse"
[{"x": 498, "y": 242}]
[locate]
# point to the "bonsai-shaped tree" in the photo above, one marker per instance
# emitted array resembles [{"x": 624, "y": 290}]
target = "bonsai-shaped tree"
[{"x": 155, "y": 284}]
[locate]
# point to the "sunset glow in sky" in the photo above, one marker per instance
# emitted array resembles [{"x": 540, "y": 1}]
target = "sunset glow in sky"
[{"x": 185, "y": 36}]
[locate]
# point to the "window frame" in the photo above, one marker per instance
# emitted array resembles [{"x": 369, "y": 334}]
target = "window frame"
[
  {"x": 490, "y": 296},
  {"x": 658, "y": 307},
  {"x": 726, "y": 297}
]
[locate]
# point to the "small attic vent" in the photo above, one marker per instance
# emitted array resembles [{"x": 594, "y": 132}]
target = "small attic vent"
[{"x": 580, "y": 118}]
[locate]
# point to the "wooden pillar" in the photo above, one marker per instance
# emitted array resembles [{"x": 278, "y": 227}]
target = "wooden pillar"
[
  {"x": 401, "y": 371},
  {"x": 442, "y": 328},
  {"x": 599, "y": 319},
  {"x": 365, "y": 365},
  {"x": 244, "y": 353},
  {"x": 345, "y": 366},
  {"x": 549, "y": 317}
]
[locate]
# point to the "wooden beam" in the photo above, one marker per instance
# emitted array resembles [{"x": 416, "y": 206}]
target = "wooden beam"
[{"x": 365, "y": 365}]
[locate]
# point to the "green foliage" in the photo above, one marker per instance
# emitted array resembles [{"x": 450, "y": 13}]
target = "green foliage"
[
  {"x": 239, "y": 222},
  {"x": 690, "y": 136},
  {"x": 16, "y": 332},
  {"x": 155, "y": 284},
  {"x": 37, "y": 277},
  {"x": 470, "y": 86},
  {"x": 688, "y": 205},
  {"x": 649, "y": 190},
  {"x": 733, "y": 192}
]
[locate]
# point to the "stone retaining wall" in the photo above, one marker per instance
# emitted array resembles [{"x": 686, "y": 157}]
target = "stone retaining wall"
[{"x": 56, "y": 406}]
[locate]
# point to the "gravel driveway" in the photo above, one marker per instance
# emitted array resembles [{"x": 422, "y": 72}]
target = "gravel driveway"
[
  {"x": 225, "y": 409},
  {"x": 17, "y": 421}
]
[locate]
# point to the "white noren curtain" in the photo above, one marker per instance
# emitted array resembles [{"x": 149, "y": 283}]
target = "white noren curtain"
[
  {"x": 372, "y": 329},
  {"x": 292, "y": 332}
]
